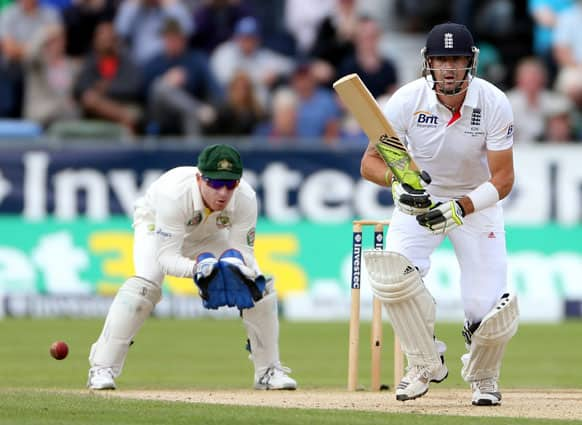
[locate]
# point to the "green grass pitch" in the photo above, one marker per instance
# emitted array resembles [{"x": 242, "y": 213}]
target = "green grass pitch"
[{"x": 209, "y": 354}]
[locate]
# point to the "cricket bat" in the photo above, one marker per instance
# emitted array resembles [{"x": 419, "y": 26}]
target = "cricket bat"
[{"x": 362, "y": 105}]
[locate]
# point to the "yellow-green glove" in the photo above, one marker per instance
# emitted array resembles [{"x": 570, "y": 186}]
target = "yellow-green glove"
[{"x": 399, "y": 163}]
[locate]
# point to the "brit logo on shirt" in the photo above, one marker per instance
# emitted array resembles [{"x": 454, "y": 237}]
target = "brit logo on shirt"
[
  {"x": 426, "y": 119},
  {"x": 476, "y": 117}
]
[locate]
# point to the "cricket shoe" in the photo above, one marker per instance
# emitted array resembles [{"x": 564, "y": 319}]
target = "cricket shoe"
[
  {"x": 275, "y": 378},
  {"x": 101, "y": 379},
  {"x": 486, "y": 392},
  {"x": 415, "y": 382}
]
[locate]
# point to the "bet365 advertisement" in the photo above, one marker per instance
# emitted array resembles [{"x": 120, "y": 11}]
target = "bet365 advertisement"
[{"x": 65, "y": 227}]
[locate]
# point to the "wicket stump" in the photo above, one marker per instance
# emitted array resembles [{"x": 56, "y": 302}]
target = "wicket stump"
[{"x": 376, "y": 337}]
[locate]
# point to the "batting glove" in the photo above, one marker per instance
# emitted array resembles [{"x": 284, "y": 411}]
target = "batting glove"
[
  {"x": 410, "y": 201},
  {"x": 442, "y": 217}
]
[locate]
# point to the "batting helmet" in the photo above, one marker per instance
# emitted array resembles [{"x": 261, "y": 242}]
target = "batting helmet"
[{"x": 450, "y": 39}]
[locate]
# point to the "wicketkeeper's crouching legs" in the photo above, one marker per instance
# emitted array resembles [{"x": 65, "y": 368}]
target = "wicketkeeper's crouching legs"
[
  {"x": 228, "y": 281},
  {"x": 133, "y": 303},
  {"x": 137, "y": 298},
  {"x": 486, "y": 342},
  {"x": 398, "y": 284},
  {"x": 262, "y": 324}
]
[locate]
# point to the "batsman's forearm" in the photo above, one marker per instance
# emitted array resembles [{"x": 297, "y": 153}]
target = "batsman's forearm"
[
  {"x": 374, "y": 169},
  {"x": 503, "y": 182}
]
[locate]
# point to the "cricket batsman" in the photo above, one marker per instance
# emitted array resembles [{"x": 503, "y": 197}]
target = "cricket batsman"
[
  {"x": 196, "y": 222},
  {"x": 459, "y": 129}
]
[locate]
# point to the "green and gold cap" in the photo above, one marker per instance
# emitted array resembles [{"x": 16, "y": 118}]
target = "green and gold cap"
[{"x": 220, "y": 162}]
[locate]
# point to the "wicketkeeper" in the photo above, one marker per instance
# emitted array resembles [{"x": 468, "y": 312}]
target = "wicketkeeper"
[
  {"x": 459, "y": 129},
  {"x": 196, "y": 222}
]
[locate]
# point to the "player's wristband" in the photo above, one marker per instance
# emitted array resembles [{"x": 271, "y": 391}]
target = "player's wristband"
[{"x": 485, "y": 196}]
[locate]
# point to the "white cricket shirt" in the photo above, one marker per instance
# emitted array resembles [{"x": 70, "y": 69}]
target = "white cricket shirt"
[
  {"x": 183, "y": 224},
  {"x": 453, "y": 150}
]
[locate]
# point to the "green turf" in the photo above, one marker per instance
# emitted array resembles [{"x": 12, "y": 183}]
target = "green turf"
[{"x": 196, "y": 354}]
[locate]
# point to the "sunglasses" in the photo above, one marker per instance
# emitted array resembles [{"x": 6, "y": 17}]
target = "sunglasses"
[{"x": 218, "y": 183}]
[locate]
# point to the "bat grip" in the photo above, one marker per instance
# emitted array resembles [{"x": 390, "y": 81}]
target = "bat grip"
[{"x": 425, "y": 177}]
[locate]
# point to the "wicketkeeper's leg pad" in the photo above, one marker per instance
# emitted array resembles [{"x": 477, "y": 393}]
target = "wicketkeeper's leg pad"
[
  {"x": 411, "y": 307},
  {"x": 488, "y": 341},
  {"x": 262, "y": 324},
  {"x": 133, "y": 303}
]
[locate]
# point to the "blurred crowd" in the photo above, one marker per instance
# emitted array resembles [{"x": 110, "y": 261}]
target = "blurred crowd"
[{"x": 262, "y": 69}]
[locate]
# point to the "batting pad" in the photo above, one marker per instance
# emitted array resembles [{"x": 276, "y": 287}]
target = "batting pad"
[
  {"x": 490, "y": 339},
  {"x": 133, "y": 303},
  {"x": 412, "y": 309}
]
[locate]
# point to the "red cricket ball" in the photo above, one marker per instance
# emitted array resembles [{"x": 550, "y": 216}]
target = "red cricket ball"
[{"x": 59, "y": 350}]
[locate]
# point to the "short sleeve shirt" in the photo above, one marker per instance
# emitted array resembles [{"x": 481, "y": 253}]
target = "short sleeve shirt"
[{"x": 452, "y": 148}]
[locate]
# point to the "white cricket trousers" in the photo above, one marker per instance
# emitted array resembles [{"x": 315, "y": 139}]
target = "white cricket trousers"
[{"x": 480, "y": 249}]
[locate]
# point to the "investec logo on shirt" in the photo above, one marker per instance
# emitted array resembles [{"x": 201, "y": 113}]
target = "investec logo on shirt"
[{"x": 426, "y": 119}]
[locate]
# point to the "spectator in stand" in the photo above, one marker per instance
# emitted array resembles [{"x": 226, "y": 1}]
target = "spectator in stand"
[
  {"x": 20, "y": 22},
  {"x": 80, "y": 20},
  {"x": 49, "y": 79},
  {"x": 568, "y": 54},
  {"x": 417, "y": 16},
  {"x": 567, "y": 42},
  {"x": 531, "y": 101},
  {"x": 545, "y": 15},
  {"x": 181, "y": 89},
  {"x": 244, "y": 52},
  {"x": 281, "y": 128},
  {"x": 350, "y": 132},
  {"x": 334, "y": 41},
  {"x": 378, "y": 73},
  {"x": 214, "y": 22},
  {"x": 139, "y": 22},
  {"x": 303, "y": 19},
  {"x": 303, "y": 114},
  {"x": 271, "y": 18},
  {"x": 109, "y": 83},
  {"x": 570, "y": 85},
  {"x": 503, "y": 30},
  {"x": 318, "y": 115},
  {"x": 559, "y": 128},
  {"x": 241, "y": 111}
]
